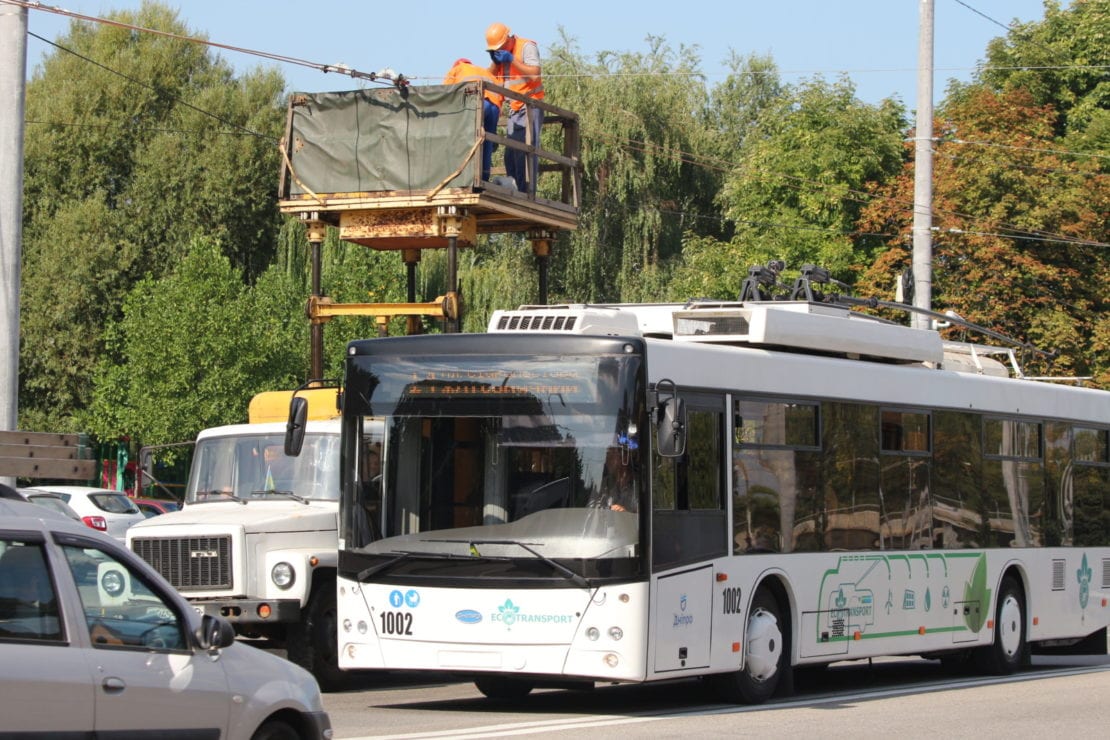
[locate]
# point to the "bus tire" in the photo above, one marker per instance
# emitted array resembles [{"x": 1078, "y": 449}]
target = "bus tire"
[
  {"x": 503, "y": 688},
  {"x": 766, "y": 659},
  {"x": 1010, "y": 650},
  {"x": 313, "y": 642}
]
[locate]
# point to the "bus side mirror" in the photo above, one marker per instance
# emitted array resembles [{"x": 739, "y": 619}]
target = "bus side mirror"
[
  {"x": 670, "y": 429},
  {"x": 294, "y": 428}
]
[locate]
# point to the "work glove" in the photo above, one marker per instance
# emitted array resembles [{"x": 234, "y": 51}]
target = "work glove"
[{"x": 501, "y": 56}]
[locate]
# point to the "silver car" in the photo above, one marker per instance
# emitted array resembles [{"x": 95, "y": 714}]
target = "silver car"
[
  {"x": 83, "y": 618},
  {"x": 103, "y": 509}
]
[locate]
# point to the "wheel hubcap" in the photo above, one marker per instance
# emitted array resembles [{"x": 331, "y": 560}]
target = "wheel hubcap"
[
  {"x": 764, "y": 645},
  {"x": 1009, "y": 626}
]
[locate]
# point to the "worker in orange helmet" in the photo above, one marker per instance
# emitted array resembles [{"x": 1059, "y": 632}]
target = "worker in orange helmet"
[
  {"x": 516, "y": 65},
  {"x": 463, "y": 70}
]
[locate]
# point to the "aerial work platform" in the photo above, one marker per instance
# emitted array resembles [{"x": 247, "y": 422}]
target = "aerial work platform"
[
  {"x": 380, "y": 164},
  {"x": 400, "y": 168}
]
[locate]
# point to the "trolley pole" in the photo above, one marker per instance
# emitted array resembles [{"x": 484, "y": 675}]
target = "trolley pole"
[
  {"x": 923, "y": 172},
  {"x": 13, "y": 75}
]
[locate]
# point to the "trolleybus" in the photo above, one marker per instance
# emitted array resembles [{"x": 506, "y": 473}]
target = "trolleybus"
[{"x": 629, "y": 493}]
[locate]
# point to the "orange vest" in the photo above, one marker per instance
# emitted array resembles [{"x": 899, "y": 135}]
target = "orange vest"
[
  {"x": 472, "y": 72},
  {"x": 531, "y": 87}
]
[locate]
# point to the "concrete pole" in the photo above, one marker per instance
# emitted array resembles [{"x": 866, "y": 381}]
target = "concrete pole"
[
  {"x": 13, "y": 75},
  {"x": 923, "y": 171}
]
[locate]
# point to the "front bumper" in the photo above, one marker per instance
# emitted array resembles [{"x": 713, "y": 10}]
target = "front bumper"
[{"x": 250, "y": 611}]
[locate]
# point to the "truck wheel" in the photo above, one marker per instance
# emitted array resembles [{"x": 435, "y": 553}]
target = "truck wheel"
[{"x": 313, "y": 642}]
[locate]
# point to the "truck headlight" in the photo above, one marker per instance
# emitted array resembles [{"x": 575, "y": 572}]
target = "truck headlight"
[
  {"x": 112, "y": 582},
  {"x": 283, "y": 575}
]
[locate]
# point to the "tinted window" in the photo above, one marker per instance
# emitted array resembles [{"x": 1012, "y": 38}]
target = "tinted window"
[{"x": 28, "y": 600}]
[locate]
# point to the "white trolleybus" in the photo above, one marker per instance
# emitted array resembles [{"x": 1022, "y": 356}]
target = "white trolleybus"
[{"x": 637, "y": 493}]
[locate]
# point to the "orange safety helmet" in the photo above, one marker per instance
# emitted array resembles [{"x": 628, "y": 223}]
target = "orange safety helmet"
[{"x": 496, "y": 36}]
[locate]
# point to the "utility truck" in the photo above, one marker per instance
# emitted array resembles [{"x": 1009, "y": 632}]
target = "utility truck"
[{"x": 256, "y": 539}]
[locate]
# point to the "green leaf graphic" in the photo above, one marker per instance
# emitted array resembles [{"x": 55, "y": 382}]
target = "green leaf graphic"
[{"x": 976, "y": 591}]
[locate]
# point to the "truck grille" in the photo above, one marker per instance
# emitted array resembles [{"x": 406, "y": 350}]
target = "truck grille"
[{"x": 189, "y": 563}]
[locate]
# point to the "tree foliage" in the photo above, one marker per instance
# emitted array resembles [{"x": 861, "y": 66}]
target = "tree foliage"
[
  {"x": 797, "y": 187},
  {"x": 642, "y": 184},
  {"x": 197, "y": 343},
  {"x": 1020, "y": 228},
  {"x": 135, "y": 143}
]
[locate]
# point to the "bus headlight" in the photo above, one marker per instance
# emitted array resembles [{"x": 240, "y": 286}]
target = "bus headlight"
[
  {"x": 592, "y": 633},
  {"x": 616, "y": 633},
  {"x": 611, "y": 660},
  {"x": 283, "y": 575}
]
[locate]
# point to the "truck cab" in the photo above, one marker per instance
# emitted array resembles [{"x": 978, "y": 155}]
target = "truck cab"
[{"x": 256, "y": 539}]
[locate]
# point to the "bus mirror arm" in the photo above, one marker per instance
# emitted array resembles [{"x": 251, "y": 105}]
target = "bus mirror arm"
[{"x": 670, "y": 426}]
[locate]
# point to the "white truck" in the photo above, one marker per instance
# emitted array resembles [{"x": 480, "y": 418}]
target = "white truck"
[{"x": 256, "y": 539}]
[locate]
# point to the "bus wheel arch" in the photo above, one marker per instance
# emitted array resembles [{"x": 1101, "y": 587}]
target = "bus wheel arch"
[
  {"x": 1009, "y": 649},
  {"x": 767, "y": 648}
]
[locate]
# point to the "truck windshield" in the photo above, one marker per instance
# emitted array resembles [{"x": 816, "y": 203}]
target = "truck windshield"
[
  {"x": 529, "y": 459},
  {"x": 254, "y": 466}
]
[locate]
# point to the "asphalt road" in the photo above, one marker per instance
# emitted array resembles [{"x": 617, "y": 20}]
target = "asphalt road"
[{"x": 910, "y": 698}]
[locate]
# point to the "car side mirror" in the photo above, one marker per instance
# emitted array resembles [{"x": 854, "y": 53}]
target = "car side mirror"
[
  {"x": 214, "y": 633},
  {"x": 294, "y": 428}
]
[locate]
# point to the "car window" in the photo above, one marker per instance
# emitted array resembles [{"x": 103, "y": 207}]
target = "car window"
[
  {"x": 114, "y": 503},
  {"x": 121, "y": 609},
  {"x": 28, "y": 598}
]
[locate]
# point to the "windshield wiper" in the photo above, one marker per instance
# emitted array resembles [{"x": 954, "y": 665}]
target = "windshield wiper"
[
  {"x": 365, "y": 573},
  {"x": 201, "y": 497},
  {"x": 287, "y": 494},
  {"x": 576, "y": 578}
]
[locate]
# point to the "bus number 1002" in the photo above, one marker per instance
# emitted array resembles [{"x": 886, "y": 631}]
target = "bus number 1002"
[
  {"x": 396, "y": 623},
  {"x": 731, "y": 599}
]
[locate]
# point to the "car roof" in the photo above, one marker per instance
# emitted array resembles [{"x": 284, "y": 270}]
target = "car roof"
[
  {"x": 25, "y": 515},
  {"x": 76, "y": 489}
]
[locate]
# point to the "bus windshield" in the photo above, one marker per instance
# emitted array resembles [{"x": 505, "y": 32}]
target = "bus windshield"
[
  {"x": 501, "y": 458},
  {"x": 254, "y": 466}
]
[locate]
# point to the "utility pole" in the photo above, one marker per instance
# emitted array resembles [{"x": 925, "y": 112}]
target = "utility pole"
[
  {"x": 923, "y": 171},
  {"x": 13, "y": 75}
]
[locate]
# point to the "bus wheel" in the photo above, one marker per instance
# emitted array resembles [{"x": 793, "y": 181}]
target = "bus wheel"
[
  {"x": 1009, "y": 651},
  {"x": 765, "y": 660},
  {"x": 313, "y": 642},
  {"x": 503, "y": 688}
]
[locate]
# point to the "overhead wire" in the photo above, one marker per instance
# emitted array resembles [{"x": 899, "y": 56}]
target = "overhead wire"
[
  {"x": 687, "y": 157},
  {"x": 140, "y": 83}
]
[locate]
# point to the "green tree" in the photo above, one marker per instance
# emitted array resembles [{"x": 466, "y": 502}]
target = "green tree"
[
  {"x": 198, "y": 344},
  {"x": 1060, "y": 60},
  {"x": 643, "y": 130},
  {"x": 135, "y": 143},
  {"x": 796, "y": 189}
]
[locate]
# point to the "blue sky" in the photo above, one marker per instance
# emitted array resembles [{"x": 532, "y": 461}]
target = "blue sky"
[{"x": 874, "y": 42}]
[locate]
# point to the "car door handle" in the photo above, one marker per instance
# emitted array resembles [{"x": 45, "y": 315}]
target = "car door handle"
[{"x": 113, "y": 685}]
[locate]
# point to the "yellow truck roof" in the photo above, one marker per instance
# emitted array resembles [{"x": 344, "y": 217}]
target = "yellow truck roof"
[{"x": 270, "y": 406}]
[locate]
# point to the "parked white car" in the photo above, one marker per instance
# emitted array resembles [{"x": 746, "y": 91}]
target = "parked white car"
[
  {"x": 102, "y": 509},
  {"x": 93, "y": 642}
]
